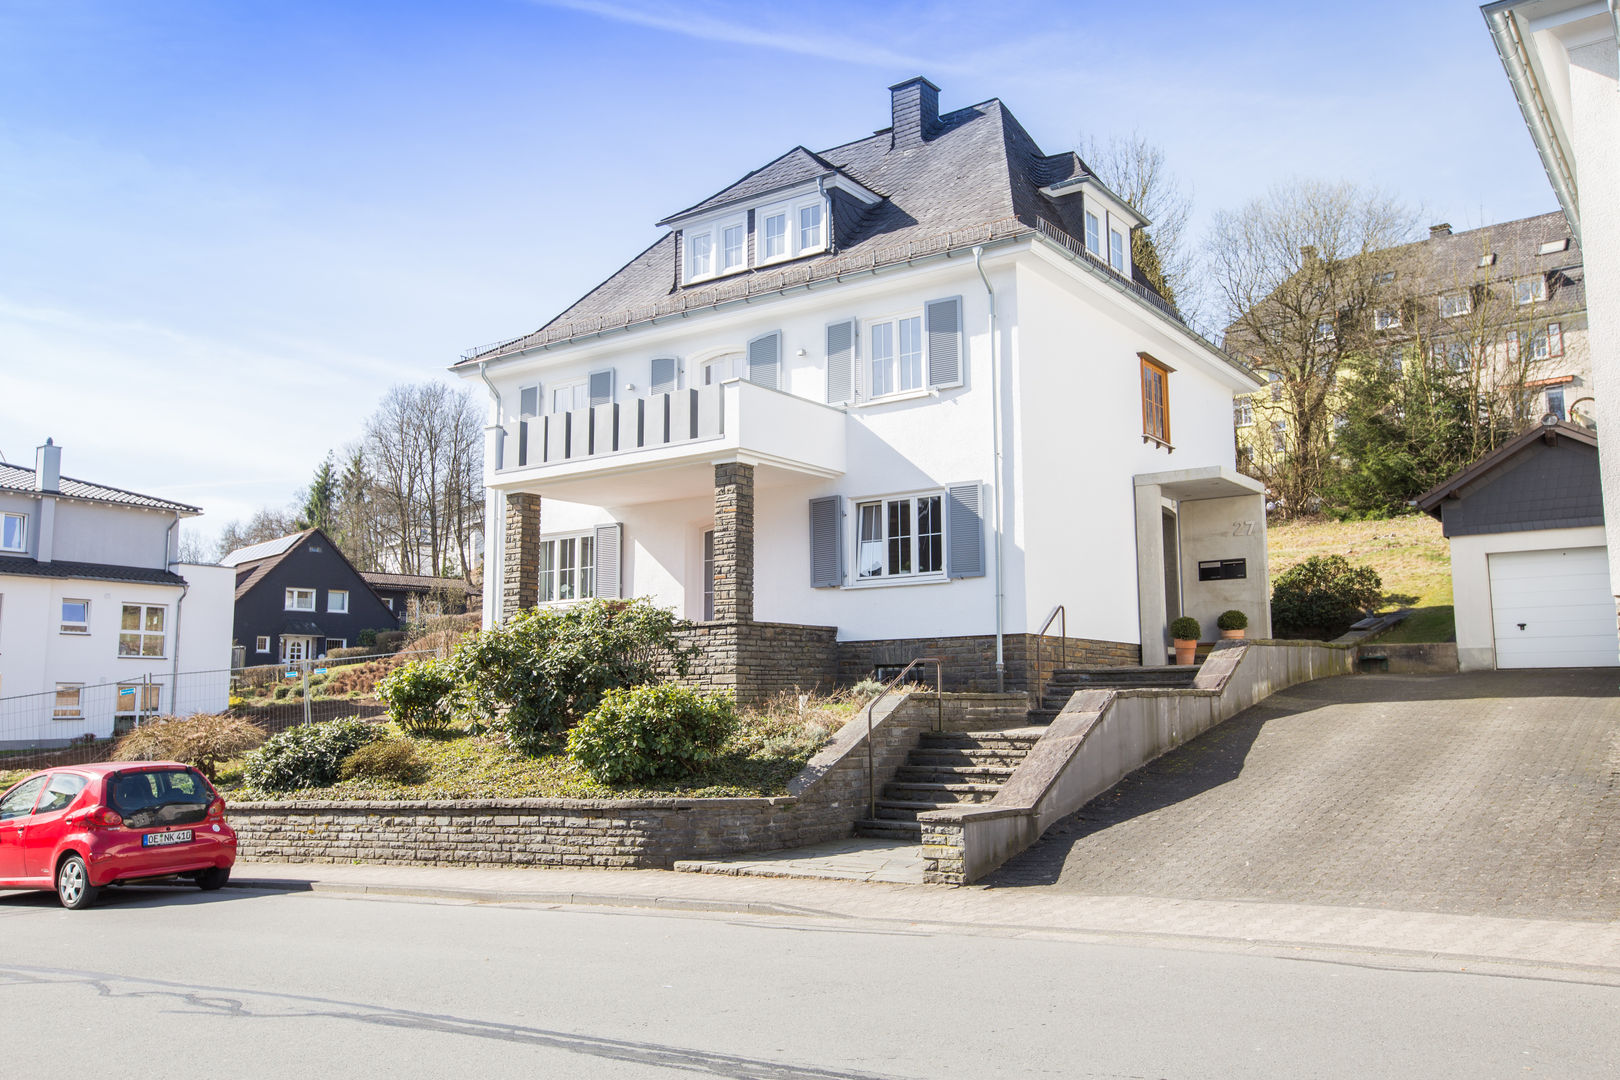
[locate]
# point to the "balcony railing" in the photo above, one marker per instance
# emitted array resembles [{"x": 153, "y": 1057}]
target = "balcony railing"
[{"x": 692, "y": 415}]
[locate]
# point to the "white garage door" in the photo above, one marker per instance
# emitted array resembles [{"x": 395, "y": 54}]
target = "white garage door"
[{"x": 1553, "y": 608}]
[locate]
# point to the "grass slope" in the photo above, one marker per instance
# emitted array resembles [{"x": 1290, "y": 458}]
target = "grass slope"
[{"x": 1409, "y": 554}]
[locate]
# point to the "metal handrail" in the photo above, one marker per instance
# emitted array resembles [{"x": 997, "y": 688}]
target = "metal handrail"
[
  {"x": 939, "y": 720},
  {"x": 1038, "y": 691}
]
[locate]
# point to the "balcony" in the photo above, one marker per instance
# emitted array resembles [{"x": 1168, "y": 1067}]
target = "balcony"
[{"x": 657, "y": 446}]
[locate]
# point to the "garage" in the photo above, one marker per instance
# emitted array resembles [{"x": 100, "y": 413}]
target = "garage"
[
  {"x": 1552, "y": 608},
  {"x": 1529, "y": 563}
]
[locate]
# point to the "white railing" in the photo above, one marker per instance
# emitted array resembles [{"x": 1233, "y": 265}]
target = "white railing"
[{"x": 695, "y": 414}]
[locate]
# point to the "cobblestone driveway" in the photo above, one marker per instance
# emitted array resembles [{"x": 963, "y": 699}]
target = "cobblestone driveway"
[{"x": 1493, "y": 792}]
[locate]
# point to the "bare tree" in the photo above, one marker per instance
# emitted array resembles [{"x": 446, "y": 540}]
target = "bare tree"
[
  {"x": 423, "y": 461},
  {"x": 1301, "y": 273},
  {"x": 1135, "y": 170},
  {"x": 265, "y": 524}
]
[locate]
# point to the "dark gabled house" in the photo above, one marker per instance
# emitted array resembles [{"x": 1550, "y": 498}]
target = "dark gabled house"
[{"x": 297, "y": 597}]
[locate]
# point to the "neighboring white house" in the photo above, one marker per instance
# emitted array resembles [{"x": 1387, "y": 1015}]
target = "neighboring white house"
[
  {"x": 97, "y": 616},
  {"x": 1528, "y": 565},
  {"x": 896, "y": 398},
  {"x": 1563, "y": 60}
]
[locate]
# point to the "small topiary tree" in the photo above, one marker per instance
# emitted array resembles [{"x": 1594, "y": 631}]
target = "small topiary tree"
[
  {"x": 650, "y": 733},
  {"x": 421, "y": 697},
  {"x": 202, "y": 741},
  {"x": 1232, "y": 619},
  {"x": 1186, "y": 628},
  {"x": 1322, "y": 596},
  {"x": 544, "y": 669},
  {"x": 307, "y": 756},
  {"x": 385, "y": 759}
]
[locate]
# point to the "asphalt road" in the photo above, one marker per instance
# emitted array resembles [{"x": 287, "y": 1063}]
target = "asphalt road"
[{"x": 263, "y": 984}]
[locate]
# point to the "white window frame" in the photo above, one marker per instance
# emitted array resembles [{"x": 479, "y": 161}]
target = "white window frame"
[
  {"x": 141, "y": 633},
  {"x": 77, "y": 705},
  {"x": 1116, "y": 250},
  {"x": 1540, "y": 346},
  {"x": 330, "y": 593},
  {"x": 261, "y": 643},
  {"x": 1243, "y": 412},
  {"x": 1456, "y": 305},
  {"x": 893, "y": 323},
  {"x": 1325, "y": 330},
  {"x": 336, "y": 643},
  {"x": 713, "y": 371},
  {"x": 1387, "y": 319},
  {"x": 792, "y": 240},
  {"x": 1530, "y": 290},
  {"x": 818, "y": 241},
  {"x": 699, "y": 254},
  {"x": 76, "y": 628},
  {"x": 1093, "y": 227},
  {"x": 571, "y": 387},
  {"x": 22, "y": 532},
  {"x": 887, "y": 576},
  {"x": 582, "y": 569},
  {"x": 147, "y": 698},
  {"x": 291, "y": 596},
  {"x": 1547, "y": 401},
  {"x": 724, "y": 230}
]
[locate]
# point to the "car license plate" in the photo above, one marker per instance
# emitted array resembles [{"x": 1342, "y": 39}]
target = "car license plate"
[{"x": 164, "y": 839}]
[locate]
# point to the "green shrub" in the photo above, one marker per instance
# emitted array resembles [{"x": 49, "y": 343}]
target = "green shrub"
[
  {"x": 203, "y": 740},
  {"x": 1186, "y": 628},
  {"x": 543, "y": 669},
  {"x": 867, "y": 688},
  {"x": 421, "y": 696},
  {"x": 386, "y": 759},
  {"x": 306, "y": 756},
  {"x": 367, "y": 639},
  {"x": 390, "y": 640},
  {"x": 1232, "y": 619},
  {"x": 1322, "y": 596},
  {"x": 353, "y": 650},
  {"x": 281, "y": 691},
  {"x": 648, "y": 733}
]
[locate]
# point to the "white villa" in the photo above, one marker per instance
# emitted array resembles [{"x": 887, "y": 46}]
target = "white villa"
[
  {"x": 901, "y": 397},
  {"x": 100, "y": 624}
]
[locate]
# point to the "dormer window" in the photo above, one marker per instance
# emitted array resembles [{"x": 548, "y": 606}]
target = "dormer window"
[
  {"x": 1116, "y": 250},
  {"x": 788, "y": 230},
  {"x": 699, "y": 258},
  {"x": 735, "y": 252},
  {"x": 1093, "y": 234},
  {"x": 810, "y": 227},
  {"x": 714, "y": 248},
  {"x": 776, "y": 235},
  {"x": 1531, "y": 290}
]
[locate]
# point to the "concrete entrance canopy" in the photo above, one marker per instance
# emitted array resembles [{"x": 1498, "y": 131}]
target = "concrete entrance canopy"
[{"x": 1219, "y": 531}]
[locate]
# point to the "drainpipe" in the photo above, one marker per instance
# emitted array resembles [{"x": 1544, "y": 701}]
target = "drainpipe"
[
  {"x": 995, "y": 438},
  {"x": 174, "y": 667},
  {"x": 494, "y": 512}
]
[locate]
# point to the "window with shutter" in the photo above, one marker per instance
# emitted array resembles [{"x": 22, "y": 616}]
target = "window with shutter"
[
  {"x": 841, "y": 362},
  {"x": 943, "y": 319},
  {"x": 765, "y": 360},
  {"x": 826, "y": 542},
  {"x": 666, "y": 375},
  {"x": 964, "y": 521},
  {"x": 609, "y": 544},
  {"x": 602, "y": 387}
]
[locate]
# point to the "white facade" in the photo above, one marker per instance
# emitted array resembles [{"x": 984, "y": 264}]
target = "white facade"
[
  {"x": 1060, "y": 355},
  {"x": 97, "y": 626},
  {"x": 1561, "y": 58}
]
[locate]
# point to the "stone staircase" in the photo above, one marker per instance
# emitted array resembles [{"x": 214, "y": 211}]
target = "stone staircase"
[
  {"x": 1066, "y": 681},
  {"x": 945, "y": 769}
]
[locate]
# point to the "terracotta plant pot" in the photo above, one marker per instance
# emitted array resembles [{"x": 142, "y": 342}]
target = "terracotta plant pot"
[
  {"x": 1231, "y": 635},
  {"x": 1185, "y": 651}
]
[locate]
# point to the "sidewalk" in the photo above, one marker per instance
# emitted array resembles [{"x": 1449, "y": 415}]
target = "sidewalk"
[{"x": 1589, "y": 950}]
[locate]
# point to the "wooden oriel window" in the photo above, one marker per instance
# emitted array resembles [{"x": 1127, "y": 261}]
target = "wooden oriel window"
[{"x": 1155, "y": 400}]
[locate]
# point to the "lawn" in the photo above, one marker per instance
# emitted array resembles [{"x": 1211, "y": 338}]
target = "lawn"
[
  {"x": 1408, "y": 552},
  {"x": 770, "y": 747}
]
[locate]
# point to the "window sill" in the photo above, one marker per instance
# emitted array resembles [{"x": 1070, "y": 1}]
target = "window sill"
[
  {"x": 888, "y": 399},
  {"x": 70, "y": 719},
  {"x": 75, "y": 633},
  {"x": 1156, "y": 441},
  {"x": 900, "y": 580},
  {"x": 126, "y": 656}
]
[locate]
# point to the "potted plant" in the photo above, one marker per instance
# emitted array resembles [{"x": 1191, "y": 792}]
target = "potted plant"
[
  {"x": 1232, "y": 623},
  {"x": 1185, "y": 632}
]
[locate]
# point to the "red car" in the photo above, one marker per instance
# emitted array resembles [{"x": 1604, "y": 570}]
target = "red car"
[{"x": 77, "y": 828}]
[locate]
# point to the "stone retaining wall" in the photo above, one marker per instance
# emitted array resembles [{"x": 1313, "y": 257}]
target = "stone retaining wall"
[
  {"x": 824, "y": 802},
  {"x": 756, "y": 661},
  {"x": 970, "y": 661}
]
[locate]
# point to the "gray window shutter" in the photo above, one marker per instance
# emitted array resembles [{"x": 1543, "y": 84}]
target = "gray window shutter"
[
  {"x": 602, "y": 387},
  {"x": 765, "y": 360},
  {"x": 827, "y": 542},
  {"x": 964, "y": 520},
  {"x": 665, "y": 374},
  {"x": 529, "y": 401},
  {"x": 841, "y": 362},
  {"x": 609, "y": 541},
  {"x": 943, "y": 324}
]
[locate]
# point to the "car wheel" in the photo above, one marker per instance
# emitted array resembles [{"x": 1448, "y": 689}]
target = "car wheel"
[
  {"x": 73, "y": 886},
  {"x": 213, "y": 878}
]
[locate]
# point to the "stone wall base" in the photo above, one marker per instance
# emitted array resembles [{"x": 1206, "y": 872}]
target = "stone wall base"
[
  {"x": 755, "y": 661},
  {"x": 970, "y": 661}
]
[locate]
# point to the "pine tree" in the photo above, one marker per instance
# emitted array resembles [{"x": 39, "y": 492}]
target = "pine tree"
[{"x": 318, "y": 501}]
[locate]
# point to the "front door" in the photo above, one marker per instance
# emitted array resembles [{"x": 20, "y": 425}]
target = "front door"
[{"x": 294, "y": 649}]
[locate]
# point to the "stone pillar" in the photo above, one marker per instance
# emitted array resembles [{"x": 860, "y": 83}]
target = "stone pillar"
[
  {"x": 520, "y": 562},
  {"x": 733, "y": 542}
]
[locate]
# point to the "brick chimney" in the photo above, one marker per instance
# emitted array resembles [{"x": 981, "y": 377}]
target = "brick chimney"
[
  {"x": 1437, "y": 231},
  {"x": 48, "y": 467},
  {"x": 915, "y": 106}
]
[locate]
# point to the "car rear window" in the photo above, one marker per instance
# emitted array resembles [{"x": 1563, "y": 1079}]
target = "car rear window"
[{"x": 151, "y": 798}]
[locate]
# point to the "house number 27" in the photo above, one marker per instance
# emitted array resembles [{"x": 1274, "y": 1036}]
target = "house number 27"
[{"x": 1242, "y": 528}]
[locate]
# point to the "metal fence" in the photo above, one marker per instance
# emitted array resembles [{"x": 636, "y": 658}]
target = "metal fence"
[{"x": 80, "y": 723}]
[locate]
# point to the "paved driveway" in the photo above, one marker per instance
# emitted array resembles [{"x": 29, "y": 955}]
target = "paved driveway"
[{"x": 1495, "y": 792}]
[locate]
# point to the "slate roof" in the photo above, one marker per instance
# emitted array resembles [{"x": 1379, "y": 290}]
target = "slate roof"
[
  {"x": 21, "y": 478},
  {"x": 91, "y": 571},
  {"x": 1449, "y": 263},
  {"x": 976, "y": 178},
  {"x": 413, "y": 582},
  {"x": 1429, "y": 502},
  {"x": 794, "y": 167}
]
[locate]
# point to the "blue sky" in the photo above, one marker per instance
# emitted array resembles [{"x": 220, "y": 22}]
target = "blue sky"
[{"x": 226, "y": 228}]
